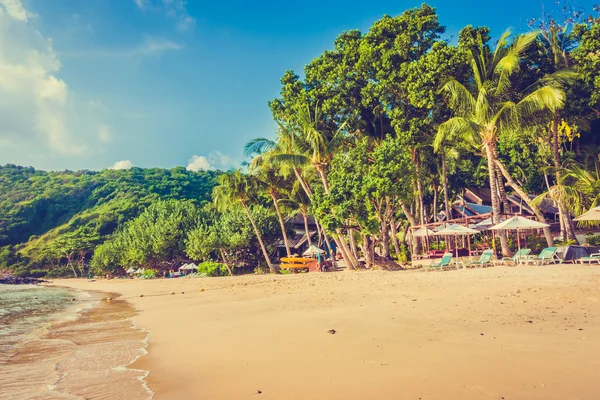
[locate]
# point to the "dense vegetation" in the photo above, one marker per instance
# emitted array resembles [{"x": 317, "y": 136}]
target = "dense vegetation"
[
  {"x": 386, "y": 129},
  {"x": 380, "y": 133},
  {"x": 54, "y": 220}
]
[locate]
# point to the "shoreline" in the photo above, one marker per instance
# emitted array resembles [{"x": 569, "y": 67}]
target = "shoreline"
[
  {"x": 80, "y": 353},
  {"x": 527, "y": 332}
]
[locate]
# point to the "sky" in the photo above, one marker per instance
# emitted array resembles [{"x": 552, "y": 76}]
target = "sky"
[{"x": 162, "y": 83}]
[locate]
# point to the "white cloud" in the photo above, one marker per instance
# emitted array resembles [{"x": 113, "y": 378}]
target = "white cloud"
[
  {"x": 215, "y": 160},
  {"x": 199, "y": 163},
  {"x": 14, "y": 9},
  {"x": 37, "y": 107},
  {"x": 125, "y": 164},
  {"x": 150, "y": 46},
  {"x": 173, "y": 9}
]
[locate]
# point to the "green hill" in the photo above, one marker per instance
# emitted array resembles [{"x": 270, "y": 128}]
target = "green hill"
[{"x": 43, "y": 213}]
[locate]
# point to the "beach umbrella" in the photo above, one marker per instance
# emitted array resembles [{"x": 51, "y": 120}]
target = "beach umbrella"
[
  {"x": 131, "y": 270},
  {"x": 139, "y": 271},
  {"x": 517, "y": 223},
  {"x": 313, "y": 251},
  {"x": 423, "y": 232},
  {"x": 188, "y": 267},
  {"x": 456, "y": 231},
  {"x": 591, "y": 215}
]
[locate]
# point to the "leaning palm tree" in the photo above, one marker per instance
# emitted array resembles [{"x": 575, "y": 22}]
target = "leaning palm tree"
[
  {"x": 273, "y": 184},
  {"x": 235, "y": 188},
  {"x": 485, "y": 112}
]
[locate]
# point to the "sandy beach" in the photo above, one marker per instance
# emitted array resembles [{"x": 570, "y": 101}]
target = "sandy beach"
[{"x": 496, "y": 333}]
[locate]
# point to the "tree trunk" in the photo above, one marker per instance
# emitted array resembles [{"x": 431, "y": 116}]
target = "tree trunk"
[
  {"x": 303, "y": 182},
  {"x": 369, "y": 251},
  {"x": 281, "y": 224},
  {"x": 563, "y": 211},
  {"x": 489, "y": 149},
  {"x": 395, "y": 240},
  {"x": 305, "y": 217},
  {"x": 260, "y": 241},
  {"x": 417, "y": 159},
  {"x": 352, "y": 243},
  {"x": 523, "y": 195},
  {"x": 416, "y": 245},
  {"x": 226, "y": 262},
  {"x": 350, "y": 260},
  {"x": 501, "y": 189},
  {"x": 445, "y": 185}
]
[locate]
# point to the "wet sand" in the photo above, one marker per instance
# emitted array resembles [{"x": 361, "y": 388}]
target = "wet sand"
[
  {"x": 82, "y": 355},
  {"x": 496, "y": 333}
]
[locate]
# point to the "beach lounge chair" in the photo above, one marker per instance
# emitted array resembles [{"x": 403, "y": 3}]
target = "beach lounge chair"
[
  {"x": 592, "y": 258},
  {"x": 547, "y": 256},
  {"x": 485, "y": 260},
  {"x": 443, "y": 263},
  {"x": 512, "y": 261}
]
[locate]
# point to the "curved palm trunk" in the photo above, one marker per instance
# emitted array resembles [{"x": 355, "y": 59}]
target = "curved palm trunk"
[
  {"x": 302, "y": 182},
  {"x": 489, "y": 150},
  {"x": 523, "y": 195},
  {"x": 445, "y": 185},
  {"x": 226, "y": 262},
  {"x": 305, "y": 217},
  {"x": 281, "y": 224},
  {"x": 563, "y": 211},
  {"x": 501, "y": 189},
  {"x": 260, "y": 241}
]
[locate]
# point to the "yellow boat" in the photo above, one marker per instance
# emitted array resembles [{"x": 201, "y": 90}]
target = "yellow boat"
[{"x": 297, "y": 260}]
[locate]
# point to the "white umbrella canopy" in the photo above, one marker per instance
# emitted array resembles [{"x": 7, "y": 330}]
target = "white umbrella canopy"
[
  {"x": 139, "y": 271},
  {"x": 518, "y": 222},
  {"x": 456, "y": 230},
  {"x": 591, "y": 215},
  {"x": 188, "y": 267},
  {"x": 313, "y": 251},
  {"x": 131, "y": 270},
  {"x": 422, "y": 232}
]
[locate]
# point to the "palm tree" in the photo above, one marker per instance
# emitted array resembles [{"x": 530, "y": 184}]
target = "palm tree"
[
  {"x": 235, "y": 188},
  {"x": 272, "y": 183},
  {"x": 485, "y": 113},
  {"x": 298, "y": 202}
]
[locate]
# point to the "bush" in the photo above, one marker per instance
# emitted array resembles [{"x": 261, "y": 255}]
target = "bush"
[
  {"x": 37, "y": 273},
  {"x": 149, "y": 274},
  {"x": 211, "y": 268},
  {"x": 592, "y": 240}
]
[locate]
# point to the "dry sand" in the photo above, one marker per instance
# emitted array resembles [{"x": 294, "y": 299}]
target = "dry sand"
[{"x": 496, "y": 333}]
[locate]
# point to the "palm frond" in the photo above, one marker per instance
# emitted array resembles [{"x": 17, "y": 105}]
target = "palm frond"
[
  {"x": 258, "y": 146},
  {"x": 546, "y": 97},
  {"x": 457, "y": 128},
  {"x": 460, "y": 100}
]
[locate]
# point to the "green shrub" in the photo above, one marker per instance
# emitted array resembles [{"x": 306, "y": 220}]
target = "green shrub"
[
  {"x": 149, "y": 274},
  {"x": 211, "y": 268},
  {"x": 37, "y": 273},
  {"x": 592, "y": 240}
]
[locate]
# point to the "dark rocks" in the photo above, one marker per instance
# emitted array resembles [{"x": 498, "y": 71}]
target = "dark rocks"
[{"x": 13, "y": 280}]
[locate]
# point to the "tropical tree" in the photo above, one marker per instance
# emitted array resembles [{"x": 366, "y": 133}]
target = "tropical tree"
[
  {"x": 484, "y": 112},
  {"x": 237, "y": 188}
]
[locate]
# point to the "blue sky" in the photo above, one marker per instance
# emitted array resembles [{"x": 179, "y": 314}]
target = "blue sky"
[{"x": 87, "y": 84}]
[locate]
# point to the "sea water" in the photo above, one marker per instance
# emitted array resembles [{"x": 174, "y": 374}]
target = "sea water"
[{"x": 61, "y": 344}]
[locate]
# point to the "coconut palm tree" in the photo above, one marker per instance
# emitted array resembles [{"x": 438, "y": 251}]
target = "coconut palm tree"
[
  {"x": 235, "y": 188},
  {"x": 486, "y": 112},
  {"x": 273, "y": 183}
]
